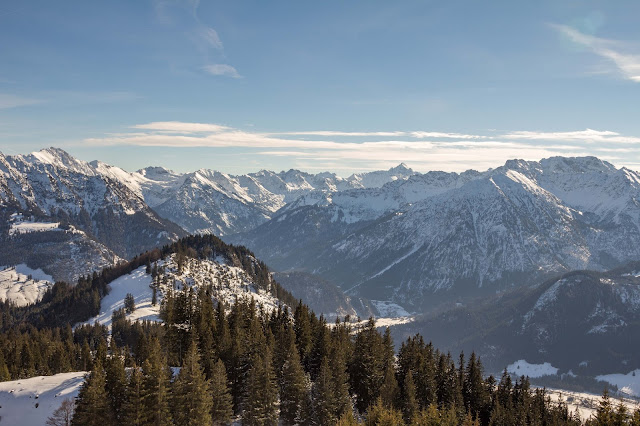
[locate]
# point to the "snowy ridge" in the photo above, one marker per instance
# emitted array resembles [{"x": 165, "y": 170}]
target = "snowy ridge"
[
  {"x": 207, "y": 201},
  {"x": 227, "y": 282}
]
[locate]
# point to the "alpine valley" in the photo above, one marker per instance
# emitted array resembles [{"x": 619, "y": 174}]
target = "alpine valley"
[{"x": 531, "y": 260}]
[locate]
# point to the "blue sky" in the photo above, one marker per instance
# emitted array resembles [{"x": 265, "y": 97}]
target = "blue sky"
[{"x": 344, "y": 86}]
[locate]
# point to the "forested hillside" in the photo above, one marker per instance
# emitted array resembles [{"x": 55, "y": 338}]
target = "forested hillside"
[{"x": 212, "y": 363}]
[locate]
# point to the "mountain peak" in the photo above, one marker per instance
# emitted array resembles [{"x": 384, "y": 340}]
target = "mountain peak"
[
  {"x": 401, "y": 168},
  {"x": 53, "y": 155},
  {"x": 58, "y": 158}
]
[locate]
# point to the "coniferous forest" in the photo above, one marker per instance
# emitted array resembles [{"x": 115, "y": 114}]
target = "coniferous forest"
[{"x": 209, "y": 363}]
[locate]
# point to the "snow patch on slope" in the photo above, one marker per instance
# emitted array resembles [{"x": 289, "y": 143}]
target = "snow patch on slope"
[
  {"x": 523, "y": 368},
  {"x": 26, "y": 227},
  {"x": 628, "y": 384},
  {"x": 29, "y": 402},
  {"x": 18, "y": 287},
  {"x": 138, "y": 284}
]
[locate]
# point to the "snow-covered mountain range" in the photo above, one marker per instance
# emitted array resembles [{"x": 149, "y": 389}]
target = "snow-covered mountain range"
[
  {"x": 208, "y": 201},
  {"x": 414, "y": 239},
  {"x": 437, "y": 237}
]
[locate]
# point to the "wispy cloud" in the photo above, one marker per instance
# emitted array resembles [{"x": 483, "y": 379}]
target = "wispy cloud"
[
  {"x": 204, "y": 37},
  {"x": 181, "y": 127},
  {"x": 14, "y": 101},
  {"x": 210, "y": 36},
  {"x": 587, "y": 135},
  {"x": 438, "y": 151},
  {"x": 423, "y": 135},
  {"x": 334, "y": 133},
  {"x": 627, "y": 64},
  {"x": 415, "y": 134},
  {"x": 222, "y": 70}
]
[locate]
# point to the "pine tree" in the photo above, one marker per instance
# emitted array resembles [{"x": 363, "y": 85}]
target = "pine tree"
[
  {"x": 129, "y": 303},
  {"x": 133, "y": 408},
  {"x": 302, "y": 327},
  {"x": 428, "y": 417},
  {"x": 340, "y": 379},
  {"x": 261, "y": 394},
  {"x": 409, "y": 403},
  {"x": 116, "y": 384},
  {"x": 4, "y": 370},
  {"x": 191, "y": 400},
  {"x": 155, "y": 388},
  {"x": 367, "y": 366},
  {"x": 604, "y": 412},
  {"x": 323, "y": 396},
  {"x": 389, "y": 389},
  {"x": 293, "y": 386},
  {"x": 92, "y": 405},
  {"x": 378, "y": 415},
  {"x": 347, "y": 419},
  {"x": 475, "y": 396},
  {"x": 154, "y": 295},
  {"x": 222, "y": 404},
  {"x": 86, "y": 360},
  {"x": 621, "y": 415}
]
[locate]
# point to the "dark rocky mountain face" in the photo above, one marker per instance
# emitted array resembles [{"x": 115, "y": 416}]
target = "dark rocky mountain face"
[
  {"x": 584, "y": 321},
  {"x": 324, "y": 297}
]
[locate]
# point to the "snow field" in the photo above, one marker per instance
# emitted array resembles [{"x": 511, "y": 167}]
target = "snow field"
[
  {"x": 138, "y": 284},
  {"x": 29, "y": 402},
  {"x": 586, "y": 404},
  {"x": 523, "y": 368}
]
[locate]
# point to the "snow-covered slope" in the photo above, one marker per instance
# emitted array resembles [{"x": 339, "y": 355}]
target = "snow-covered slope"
[
  {"x": 29, "y": 402},
  {"x": 138, "y": 283},
  {"x": 22, "y": 285},
  {"x": 227, "y": 283}
]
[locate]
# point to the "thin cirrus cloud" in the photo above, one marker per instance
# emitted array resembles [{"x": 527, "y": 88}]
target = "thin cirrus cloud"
[
  {"x": 222, "y": 70},
  {"x": 417, "y": 134},
  {"x": 181, "y": 127},
  {"x": 14, "y": 101},
  {"x": 211, "y": 37},
  {"x": 429, "y": 151},
  {"x": 205, "y": 38},
  {"x": 587, "y": 135},
  {"x": 627, "y": 64}
]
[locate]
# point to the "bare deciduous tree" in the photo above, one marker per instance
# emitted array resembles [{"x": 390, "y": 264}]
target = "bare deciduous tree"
[{"x": 63, "y": 414}]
